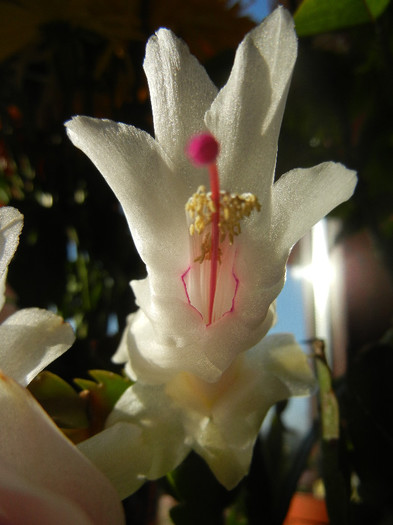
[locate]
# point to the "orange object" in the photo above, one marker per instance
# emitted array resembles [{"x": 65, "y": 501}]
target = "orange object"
[{"x": 306, "y": 509}]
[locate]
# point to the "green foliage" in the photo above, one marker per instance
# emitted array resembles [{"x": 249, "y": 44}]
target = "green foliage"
[
  {"x": 334, "y": 477},
  {"x": 60, "y": 400},
  {"x": 79, "y": 415},
  {"x": 320, "y": 16},
  {"x": 107, "y": 387}
]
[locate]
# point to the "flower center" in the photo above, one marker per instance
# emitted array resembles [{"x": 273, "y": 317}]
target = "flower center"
[{"x": 214, "y": 222}]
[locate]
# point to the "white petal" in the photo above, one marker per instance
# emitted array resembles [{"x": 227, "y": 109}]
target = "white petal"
[
  {"x": 279, "y": 355},
  {"x": 120, "y": 357},
  {"x": 143, "y": 439},
  {"x": 176, "y": 339},
  {"x": 119, "y": 454},
  {"x": 224, "y": 418},
  {"x": 36, "y": 451},
  {"x": 246, "y": 115},
  {"x": 180, "y": 91},
  {"x": 24, "y": 502},
  {"x": 133, "y": 165},
  {"x": 31, "y": 339},
  {"x": 11, "y": 222},
  {"x": 162, "y": 437},
  {"x": 303, "y": 196},
  {"x": 220, "y": 421}
]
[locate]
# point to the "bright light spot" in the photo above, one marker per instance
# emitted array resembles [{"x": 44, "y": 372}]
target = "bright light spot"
[
  {"x": 45, "y": 199},
  {"x": 321, "y": 275},
  {"x": 71, "y": 321},
  {"x": 112, "y": 326},
  {"x": 72, "y": 251},
  {"x": 322, "y": 278},
  {"x": 80, "y": 196}
]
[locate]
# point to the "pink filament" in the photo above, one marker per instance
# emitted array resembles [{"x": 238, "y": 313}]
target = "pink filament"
[
  {"x": 203, "y": 150},
  {"x": 215, "y": 192}
]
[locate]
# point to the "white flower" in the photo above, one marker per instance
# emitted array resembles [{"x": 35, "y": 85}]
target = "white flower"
[
  {"x": 30, "y": 339},
  {"x": 153, "y": 180},
  {"x": 220, "y": 420},
  {"x": 197, "y": 387},
  {"x": 44, "y": 478}
]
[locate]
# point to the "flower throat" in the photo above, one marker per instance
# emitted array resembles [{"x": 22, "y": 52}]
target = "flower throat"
[{"x": 214, "y": 222}]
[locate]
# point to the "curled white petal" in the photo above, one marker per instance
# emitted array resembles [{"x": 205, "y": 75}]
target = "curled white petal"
[
  {"x": 219, "y": 420},
  {"x": 143, "y": 439},
  {"x": 223, "y": 419}
]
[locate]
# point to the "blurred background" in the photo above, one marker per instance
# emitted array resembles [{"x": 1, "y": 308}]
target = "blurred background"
[{"x": 59, "y": 58}]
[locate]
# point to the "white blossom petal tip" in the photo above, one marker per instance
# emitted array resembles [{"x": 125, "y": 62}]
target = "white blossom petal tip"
[
  {"x": 297, "y": 204},
  {"x": 30, "y": 340}
]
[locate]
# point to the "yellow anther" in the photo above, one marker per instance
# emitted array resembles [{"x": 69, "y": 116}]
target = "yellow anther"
[{"x": 233, "y": 208}]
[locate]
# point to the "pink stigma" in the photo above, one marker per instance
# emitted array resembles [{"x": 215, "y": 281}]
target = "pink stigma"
[{"x": 203, "y": 149}]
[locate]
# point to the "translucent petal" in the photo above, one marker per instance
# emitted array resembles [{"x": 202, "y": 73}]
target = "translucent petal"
[
  {"x": 180, "y": 92},
  {"x": 246, "y": 115},
  {"x": 162, "y": 433},
  {"x": 134, "y": 166},
  {"x": 34, "y": 449},
  {"x": 143, "y": 439},
  {"x": 118, "y": 453},
  {"x": 24, "y": 502},
  {"x": 302, "y": 197},
  {"x": 224, "y": 418},
  {"x": 31, "y": 339}
]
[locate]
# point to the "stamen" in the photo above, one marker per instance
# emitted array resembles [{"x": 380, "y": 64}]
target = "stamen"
[{"x": 215, "y": 219}]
